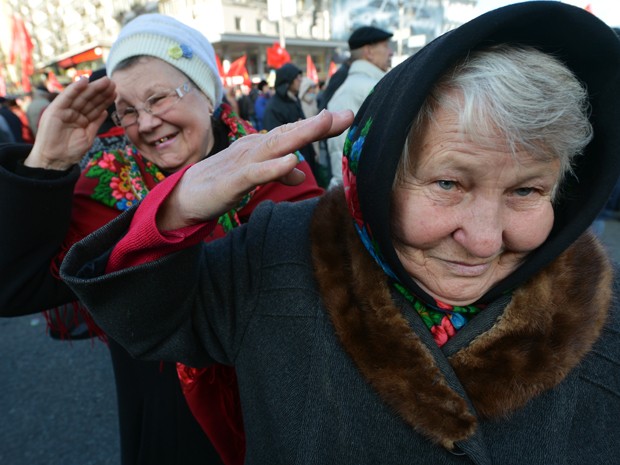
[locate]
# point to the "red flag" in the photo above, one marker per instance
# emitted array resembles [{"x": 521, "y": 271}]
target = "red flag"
[
  {"x": 21, "y": 46},
  {"x": 332, "y": 69},
  {"x": 237, "y": 68},
  {"x": 52, "y": 83},
  {"x": 311, "y": 69},
  {"x": 220, "y": 68},
  {"x": 277, "y": 56}
]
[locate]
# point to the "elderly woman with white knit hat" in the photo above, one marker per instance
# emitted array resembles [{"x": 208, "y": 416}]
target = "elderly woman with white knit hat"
[{"x": 164, "y": 81}]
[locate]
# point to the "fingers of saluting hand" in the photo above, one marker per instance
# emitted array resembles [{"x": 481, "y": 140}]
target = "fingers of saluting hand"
[
  {"x": 290, "y": 137},
  {"x": 219, "y": 182},
  {"x": 86, "y": 100},
  {"x": 268, "y": 157}
]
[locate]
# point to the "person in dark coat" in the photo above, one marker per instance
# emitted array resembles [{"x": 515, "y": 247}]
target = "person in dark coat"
[
  {"x": 285, "y": 107},
  {"x": 13, "y": 122},
  {"x": 448, "y": 304},
  {"x": 261, "y": 103}
]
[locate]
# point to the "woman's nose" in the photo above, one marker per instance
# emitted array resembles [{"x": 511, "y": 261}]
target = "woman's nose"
[
  {"x": 147, "y": 121},
  {"x": 480, "y": 228}
]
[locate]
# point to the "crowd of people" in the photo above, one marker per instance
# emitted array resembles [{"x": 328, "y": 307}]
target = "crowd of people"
[{"x": 442, "y": 299}]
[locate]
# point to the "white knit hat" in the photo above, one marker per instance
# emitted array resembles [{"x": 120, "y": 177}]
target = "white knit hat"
[{"x": 175, "y": 43}]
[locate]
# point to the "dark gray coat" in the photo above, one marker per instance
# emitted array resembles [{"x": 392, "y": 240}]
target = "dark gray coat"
[{"x": 322, "y": 375}]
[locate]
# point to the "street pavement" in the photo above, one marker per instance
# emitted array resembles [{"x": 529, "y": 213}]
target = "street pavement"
[{"x": 58, "y": 402}]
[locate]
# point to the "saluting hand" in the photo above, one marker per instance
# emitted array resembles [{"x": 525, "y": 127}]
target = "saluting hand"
[
  {"x": 69, "y": 124},
  {"x": 218, "y": 183}
]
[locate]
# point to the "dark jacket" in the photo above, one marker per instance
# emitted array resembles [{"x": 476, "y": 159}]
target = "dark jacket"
[
  {"x": 13, "y": 122},
  {"x": 328, "y": 384},
  {"x": 335, "y": 366},
  {"x": 282, "y": 109}
]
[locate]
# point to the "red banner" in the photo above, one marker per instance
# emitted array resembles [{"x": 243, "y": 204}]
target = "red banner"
[
  {"x": 21, "y": 46},
  {"x": 311, "y": 69},
  {"x": 277, "y": 56},
  {"x": 332, "y": 69},
  {"x": 237, "y": 68},
  {"x": 220, "y": 68}
]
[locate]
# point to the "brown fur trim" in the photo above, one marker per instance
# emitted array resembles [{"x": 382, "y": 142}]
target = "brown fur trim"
[
  {"x": 550, "y": 324},
  {"x": 375, "y": 334}
]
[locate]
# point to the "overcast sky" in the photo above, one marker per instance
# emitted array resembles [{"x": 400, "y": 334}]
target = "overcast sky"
[{"x": 607, "y": 10}]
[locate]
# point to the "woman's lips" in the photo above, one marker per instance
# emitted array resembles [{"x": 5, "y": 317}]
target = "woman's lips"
[
  {"x": 467, "y": 269},
  {"x": 164, "y": 141}
]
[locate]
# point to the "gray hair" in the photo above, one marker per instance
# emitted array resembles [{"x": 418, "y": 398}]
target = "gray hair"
[
  {"x": 530, "y": 97},
  {"x": 357, "y": 54}
]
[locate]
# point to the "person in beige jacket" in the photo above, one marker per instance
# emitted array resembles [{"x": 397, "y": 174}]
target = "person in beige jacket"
[{"x": 371, "y": 57}]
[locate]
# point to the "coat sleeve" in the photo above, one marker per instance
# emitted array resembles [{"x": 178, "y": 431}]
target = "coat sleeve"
[
  {"x": 36, "y": 211},
  {"x": 37, "y": 229},
  {"x": 191, "y": 305},
  {"x": 278, "y": 192}
]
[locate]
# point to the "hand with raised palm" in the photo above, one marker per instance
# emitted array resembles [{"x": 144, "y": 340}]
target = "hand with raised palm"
[
  {"x": 219, "y": 182},
  {"x": 69, "y": 124}
]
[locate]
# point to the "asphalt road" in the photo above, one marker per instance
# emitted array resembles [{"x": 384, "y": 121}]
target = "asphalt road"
[{"x": 58, "y": 403}]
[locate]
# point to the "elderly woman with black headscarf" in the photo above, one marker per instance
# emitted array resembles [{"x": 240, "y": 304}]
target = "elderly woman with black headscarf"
[{"x": 447, "y": 305}]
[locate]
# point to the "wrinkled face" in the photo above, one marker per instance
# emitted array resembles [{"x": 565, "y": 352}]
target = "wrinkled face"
[
  {"x": 180, "y": 136},
  {"x": 467, "y": 214},
  {"x": 380, "y": 54}
]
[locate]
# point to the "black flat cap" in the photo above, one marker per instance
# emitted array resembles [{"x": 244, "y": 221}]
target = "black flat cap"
[{"x": 367, "y": 35}]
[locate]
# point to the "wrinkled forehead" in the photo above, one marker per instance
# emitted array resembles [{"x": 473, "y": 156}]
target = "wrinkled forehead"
[{"x": 142, "y": 76}]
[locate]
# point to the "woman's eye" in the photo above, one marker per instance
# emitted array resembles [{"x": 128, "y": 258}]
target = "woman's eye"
[
  {"x": 446, "y": 185},
  {"x": 157, "y": 99},
  {"x": 524, "y": 191}
]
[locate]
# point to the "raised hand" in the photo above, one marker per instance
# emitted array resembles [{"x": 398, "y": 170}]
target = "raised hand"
[
  {"x": 218, "y": 183},
  {"x": 69, "y": 124}
]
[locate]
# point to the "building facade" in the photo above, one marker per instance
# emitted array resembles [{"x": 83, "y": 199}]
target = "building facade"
[{"x": 70, "y": 37}]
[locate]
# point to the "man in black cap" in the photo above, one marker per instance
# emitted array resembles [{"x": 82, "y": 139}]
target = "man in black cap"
[
  {"x": 371, "y": 57},
  {"x": 285, "y": 107}
]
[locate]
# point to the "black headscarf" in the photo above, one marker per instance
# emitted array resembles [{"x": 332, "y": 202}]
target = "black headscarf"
[{"x": 584, "y": 43}]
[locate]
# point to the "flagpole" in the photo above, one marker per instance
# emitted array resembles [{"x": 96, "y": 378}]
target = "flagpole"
[{"x": 281, "y": 25}]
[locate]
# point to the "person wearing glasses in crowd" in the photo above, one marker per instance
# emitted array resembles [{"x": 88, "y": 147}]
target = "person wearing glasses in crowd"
[
  {"x": 448, "y": 304},
  {"x": 164, "y": 81}
]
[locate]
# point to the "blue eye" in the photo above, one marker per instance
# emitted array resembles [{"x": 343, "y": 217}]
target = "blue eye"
[
  {"x": 524, "y": 191},
  {"x": 445, "y": 185}
]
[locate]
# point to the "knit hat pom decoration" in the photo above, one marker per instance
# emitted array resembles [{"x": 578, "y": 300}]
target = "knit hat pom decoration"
[{"x": 177, "y": 44}]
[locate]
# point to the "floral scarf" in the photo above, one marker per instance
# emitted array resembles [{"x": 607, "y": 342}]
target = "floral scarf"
[
  {"x": 443, "y": 320},
  {"x": 116, "y": 179}
]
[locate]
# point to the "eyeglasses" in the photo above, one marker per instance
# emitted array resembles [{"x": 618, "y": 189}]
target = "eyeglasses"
[{"x": 155, "y": 105}]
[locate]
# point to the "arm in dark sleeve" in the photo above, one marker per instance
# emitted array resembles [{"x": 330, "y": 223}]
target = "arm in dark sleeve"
[
  {"x": 278, "y": 192},
  {"x": 175, "y": 307},
  {"x": 35, "y": 205}
]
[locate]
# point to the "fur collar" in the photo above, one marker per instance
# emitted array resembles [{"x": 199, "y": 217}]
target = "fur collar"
[{"x": 549, "y": 325}]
